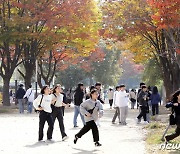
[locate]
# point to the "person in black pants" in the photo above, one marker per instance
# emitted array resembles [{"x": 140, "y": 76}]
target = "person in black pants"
[
  {"x": 43, "y": 104},
  {"x": 143, "y": 103},
  {"x": 175, "y": 104},
  {"x": 91, "y": 109},
  {"x": 57, "y": 112}
]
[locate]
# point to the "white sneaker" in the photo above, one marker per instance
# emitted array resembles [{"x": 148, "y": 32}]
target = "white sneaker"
[
  {"x": 65, "y": 138},
  {"x": 145, "y": 123}
]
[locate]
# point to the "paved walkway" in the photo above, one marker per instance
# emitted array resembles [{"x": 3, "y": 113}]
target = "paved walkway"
[{"x": 18, "y": 135}]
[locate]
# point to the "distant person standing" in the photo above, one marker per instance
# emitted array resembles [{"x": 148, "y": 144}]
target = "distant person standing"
[
  {"x": 115, "y": 104},
  {"x": 30, "y": 98},
  {"x": 98, "y": 87},
  {"x": 69, "y": 96},
  {"x": 19, "y": 96},
  {"x": 155, "y": 100},
  {"x": 132, "y": 96},
  {"x": 110, "y": 97},
  {"x": 78, "y": 99}
]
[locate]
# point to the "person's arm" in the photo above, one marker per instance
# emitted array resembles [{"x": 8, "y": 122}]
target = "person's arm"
[
  {"x": 36, "y": 102},
  {"x": 101, "y": 111},
  {"x": 27, "y": 94},
  {"x": 169, "y": 104},
  {"x": 83, "y": 109}
]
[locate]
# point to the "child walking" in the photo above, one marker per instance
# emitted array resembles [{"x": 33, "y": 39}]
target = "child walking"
[{"x": 91, "y": 109}]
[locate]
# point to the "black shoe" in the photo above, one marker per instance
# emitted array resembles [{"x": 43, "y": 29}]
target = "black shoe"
[
  {"x": 165, "y": 139},
  {"x": 75, "y": 139},
  {"x": 97, "y": 144}
]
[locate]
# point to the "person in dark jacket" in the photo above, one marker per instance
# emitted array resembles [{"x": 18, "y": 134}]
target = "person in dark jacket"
[
  {"x": 143, "y": 103},
  {"x": 175, "y": 104},
  {"x": 19, "y": 96},
  {"x": 155, "y": 100},
  {"x": 139, "y": 90},
  {"x": 98, "y": 87},
  {"x": 78, "y": 99}
]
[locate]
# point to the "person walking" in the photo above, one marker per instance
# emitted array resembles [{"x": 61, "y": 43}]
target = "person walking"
[
  {"x": 175, "y": 104},
  {"x": 132, "y": 96},
  {"x": 155, "y": 99},
  {"x": 110, "y": 97},
  {"x": 91, "y": 109},
  {"x": 19, "y": 96},
  {"x": 98, "y": 87},
  {"x": 78, "y": 99},
  {"x": 143, "y": 103},
  {"x": 57, "y": 112},
  {"x": 43, "y": 104},
  {"x": 139, "y": 90},
  {"x": 69, "y": 96},
  {"x": 123, "y": 104},
  {"x": 115, "y": 104},
  {"x": 30, "y": 98}
]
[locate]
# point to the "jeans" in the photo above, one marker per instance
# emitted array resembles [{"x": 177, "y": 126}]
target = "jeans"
[
  {"x": 116, "y": 114},
  {"x": 76, "y": 113},
  {"x": 21, "y": 105},
  {"x": 43, "y": 117},
  {"x": 57, "y": 113},
  {"x": 29, "y": 107},
  {"x": 89, "y": 125}
]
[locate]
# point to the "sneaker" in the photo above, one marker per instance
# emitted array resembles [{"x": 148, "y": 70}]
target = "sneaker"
[
  {"x": 50, "y": 141},
  {"x": 138, "y": 121},
  {"x": 97, "y": 144},
  {"x": 65, "y": 138},
  {"x": 165, "y": 139},
  {"x": 75, "y": 139},
  {"x": 145, "y": 123},
  {"x": 113, "y": 122}
]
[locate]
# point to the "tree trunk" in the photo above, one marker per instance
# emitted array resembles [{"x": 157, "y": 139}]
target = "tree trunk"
[{"x": 6, "y": 100}]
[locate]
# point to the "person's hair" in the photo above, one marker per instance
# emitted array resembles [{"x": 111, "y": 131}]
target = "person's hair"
[
  {"x": 142, "y": 84},
  {"x": 79, "y": 87},
  {"x": 21, "y": 85},
  {"x": 110, "y": 89},
  {"x": 117, "y": 87},
  {"x": 155, "y": 90},
  {"x": 143, "y": 87},
  {"x": 43, "y": 89},
  {"x": 98, "y": 84},
  {"x": 174, "y": 97},
  {"x": 54, "y": 90},
  {"x": 93, "y": 91},
  {"x": 133, "y": 90},
  {"x": 91, "y": 88},
  {"x": 30, "y": 86},
  {"x": 122, "y": 85}
]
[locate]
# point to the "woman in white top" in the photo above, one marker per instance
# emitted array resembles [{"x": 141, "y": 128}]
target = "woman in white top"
[
  {"x": 57, "y": 104},
  {"x": 43, "y": 104}
]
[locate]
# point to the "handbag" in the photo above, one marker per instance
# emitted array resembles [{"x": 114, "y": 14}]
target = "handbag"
[{"x": 172, "y": 119}]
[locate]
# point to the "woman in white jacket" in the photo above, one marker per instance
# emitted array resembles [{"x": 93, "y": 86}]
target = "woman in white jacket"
[{"x": 43, "y": 104}]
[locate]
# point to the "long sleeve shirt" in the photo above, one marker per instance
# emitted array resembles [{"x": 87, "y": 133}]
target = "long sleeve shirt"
[
  {"x": 88, "y": 105},
  {"x": 123, "y": 99},
  {"x": 30, "y": 95},
  {"x": 45, "y": 104}
]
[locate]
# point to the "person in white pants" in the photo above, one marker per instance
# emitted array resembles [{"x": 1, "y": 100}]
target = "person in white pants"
[{"x": 123, "y": 104}]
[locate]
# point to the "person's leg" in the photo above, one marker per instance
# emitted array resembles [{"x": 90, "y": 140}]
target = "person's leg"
[
  {"x": 115, "y": 115},
  {"x": 141, "y": 113},
  {"x": 111, "y": 102},
  {"x": 50, "y": 126},
  {"x": 42, "y": 120},
  {"x": 95, "y": 131},
  {"x": 76, "y": 113},
  {"x": 153, "y": 109},
  {"x": 174, "y": 135},
  {"x": 144, "y": 112},
  {"x": 126, "y": 113},
  {"x": 20, "y": 105},
  {"x": 157, "y": 108},
  {"x": 82, "y": 117},
  {"x": 84, "y": 130},
  {"x": 118, "y": 114},
  {"x": 61, "y": 122},
  {"x": 122, "y": 112},
  {"x": 63, "y": 109}
]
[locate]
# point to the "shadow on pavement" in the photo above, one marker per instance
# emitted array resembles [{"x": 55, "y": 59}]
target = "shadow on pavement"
[
  {"x": 38, "y": 144},
  {"x": 81, "y": 151}
]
